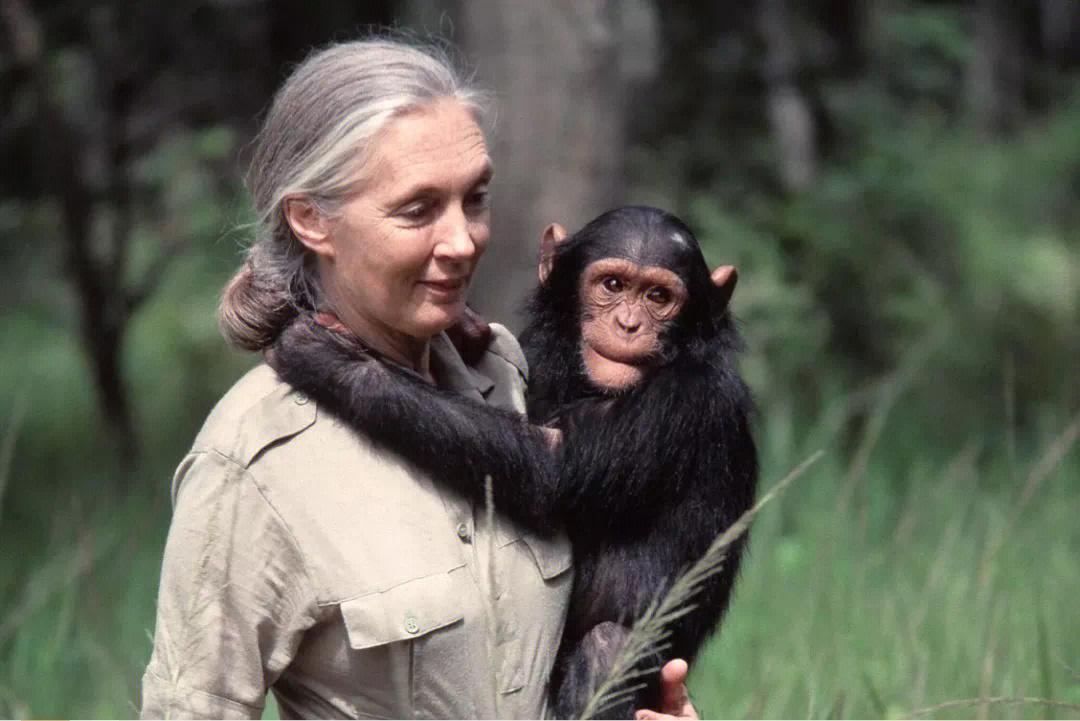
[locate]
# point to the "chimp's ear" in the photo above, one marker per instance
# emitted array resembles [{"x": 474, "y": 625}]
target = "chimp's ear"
[
  {"x": 553, "y": 236},
  {"x": 725, "y": 277}
]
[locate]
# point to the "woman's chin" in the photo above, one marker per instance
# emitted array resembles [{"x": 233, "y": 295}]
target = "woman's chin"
[{"x": 435, "y": 319}]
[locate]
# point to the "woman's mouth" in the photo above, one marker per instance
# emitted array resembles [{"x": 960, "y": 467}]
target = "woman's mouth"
[{"x": 448, "y": 288}]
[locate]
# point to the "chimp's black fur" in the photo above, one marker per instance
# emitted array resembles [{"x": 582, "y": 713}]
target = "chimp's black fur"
[
  {"x": 650, "y": 475},
  {"x": 647, "y": 476},
  {"x": 449, "y": 437}
]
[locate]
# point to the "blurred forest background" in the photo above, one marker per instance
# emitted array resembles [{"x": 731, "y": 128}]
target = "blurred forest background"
[{"x": 898, "y": 182}]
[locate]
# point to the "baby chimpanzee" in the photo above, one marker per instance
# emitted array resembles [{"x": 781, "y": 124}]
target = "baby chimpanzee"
[{"x": 629, "y": 349}]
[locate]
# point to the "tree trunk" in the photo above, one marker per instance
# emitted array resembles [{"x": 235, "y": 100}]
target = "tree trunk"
[
  {"x": 1059, "y": 22},
  {"x": 790, "y": 114},
  {"x": 105, "y": 305},
  {"x": 996, "y": 76},
  {"x": 104, "y": 343},
  {"x": 558, "y": 138}
]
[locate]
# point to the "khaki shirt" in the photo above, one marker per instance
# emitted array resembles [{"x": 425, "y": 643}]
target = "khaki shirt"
[{"x": 303, "y": 560}]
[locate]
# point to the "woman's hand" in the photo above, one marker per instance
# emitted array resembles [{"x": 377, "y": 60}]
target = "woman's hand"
[{"x": 675, "y": 702}]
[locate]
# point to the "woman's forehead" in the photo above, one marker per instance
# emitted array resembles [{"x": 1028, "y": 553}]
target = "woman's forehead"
[{"x": 439, "y": 140}]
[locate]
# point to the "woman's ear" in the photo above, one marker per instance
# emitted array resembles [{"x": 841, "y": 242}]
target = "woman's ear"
[{"x": 309, "y": 225}]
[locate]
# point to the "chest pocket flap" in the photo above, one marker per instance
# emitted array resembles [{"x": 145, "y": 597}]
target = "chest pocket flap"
[
  {"x": 553, "y": 555},
  {"x": 405, "y": 611}
]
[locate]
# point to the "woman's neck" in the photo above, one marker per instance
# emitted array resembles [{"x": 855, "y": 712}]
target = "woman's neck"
[{"x": 404, "y": 350}]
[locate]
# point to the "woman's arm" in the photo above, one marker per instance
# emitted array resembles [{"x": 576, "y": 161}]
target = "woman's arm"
[{"x": 234, "y": 599}]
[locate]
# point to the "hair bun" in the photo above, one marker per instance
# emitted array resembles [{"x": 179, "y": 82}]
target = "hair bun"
[{"x": 253, "y": 313}]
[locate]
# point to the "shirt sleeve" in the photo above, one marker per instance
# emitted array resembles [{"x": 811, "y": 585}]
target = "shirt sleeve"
[{"x": 234, "y": 600}]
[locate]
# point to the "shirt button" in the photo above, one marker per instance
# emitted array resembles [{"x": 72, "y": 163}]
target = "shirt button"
[
  {"x": 411, "y": 624},
  {"x": 463, "y": 532}
]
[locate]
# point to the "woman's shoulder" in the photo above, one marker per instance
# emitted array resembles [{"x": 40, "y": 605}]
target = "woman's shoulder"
[
  {"x": 505, "y": 347},
  {"x": 259, "y": 410}
]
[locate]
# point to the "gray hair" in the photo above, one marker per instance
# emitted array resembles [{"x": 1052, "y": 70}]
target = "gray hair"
[{"x": 316, "y": 138}]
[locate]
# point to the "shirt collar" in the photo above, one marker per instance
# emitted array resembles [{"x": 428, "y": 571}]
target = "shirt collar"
[{"x": 452, "y": 374}]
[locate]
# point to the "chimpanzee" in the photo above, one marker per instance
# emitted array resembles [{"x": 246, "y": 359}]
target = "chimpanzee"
[
  {"x": 629, "y": 349},
  {"x": 630, "y": 345}
]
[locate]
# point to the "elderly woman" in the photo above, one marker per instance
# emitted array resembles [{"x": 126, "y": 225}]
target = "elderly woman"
[{"x": 301, "y": 558}]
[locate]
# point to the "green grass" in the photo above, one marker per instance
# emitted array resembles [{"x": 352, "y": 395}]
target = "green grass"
[
  {"x": 930, "y": 576},
  {"x": 82, "y": 538},
  {"x": 74, "y": 633},
  {"x": 952, "y": 587}
]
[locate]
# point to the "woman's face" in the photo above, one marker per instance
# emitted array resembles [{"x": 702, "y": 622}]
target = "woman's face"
[{"x": 400, "y": 256}]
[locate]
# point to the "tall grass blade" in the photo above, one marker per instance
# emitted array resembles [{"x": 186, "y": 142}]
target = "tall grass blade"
[
  {"x": 493, "y": 619},
  {"x": 994, "y": 623},
  {"x": 993, "y": 701},
  {"x": 875, "y": 697},
  {"x": 651, "y": 631},
  {"x": 1050, "y": 460},
  {"x": 7, "y": 444},
  {"x": 1010, "y": 414},
  {"x": 1043, "y": 468},
  {"x": 1043, "y": 649},
  {"x": 896, "y": 383}
]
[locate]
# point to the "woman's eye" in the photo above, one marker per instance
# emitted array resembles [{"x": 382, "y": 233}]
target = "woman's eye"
[
  {"x": 477, "y": 202},
  {"x": 659, "y": 295},
  {"x": 415, "y": 211},
  {"x": 612, "y": 284}
]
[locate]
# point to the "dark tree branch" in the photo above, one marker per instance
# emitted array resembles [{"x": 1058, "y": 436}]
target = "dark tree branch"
[
  {"x": 104, "y": 316},
  {"x": 24, "y": 32}
]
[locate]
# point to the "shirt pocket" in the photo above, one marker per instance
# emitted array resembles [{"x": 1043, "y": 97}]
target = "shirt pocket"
[
  {"x": 404, "y": 612},
  {"x": 408, "y": 642},
  {"x": 533, "y": 589}
]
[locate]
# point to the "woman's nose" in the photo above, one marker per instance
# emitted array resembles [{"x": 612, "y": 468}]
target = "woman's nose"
[{"x": 455, "y": 236}]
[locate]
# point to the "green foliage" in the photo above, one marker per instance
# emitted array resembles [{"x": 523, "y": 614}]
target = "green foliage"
[
  {"x": 915, "y": 228},
  {"x": 913, "y": 593},
  {"x": 83, "y": 537},
  {"x": 924, "y": 53},
  {"x": 935, "y": 228},
  {"x": 75, "y": 629}
]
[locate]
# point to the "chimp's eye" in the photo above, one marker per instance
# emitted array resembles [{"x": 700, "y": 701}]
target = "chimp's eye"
[
  {"x": 612, "y": 284},
  {"x": 659, "y": 295}
]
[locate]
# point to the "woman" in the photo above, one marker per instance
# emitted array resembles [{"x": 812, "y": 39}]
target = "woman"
[{"x": 301, "y": 558}]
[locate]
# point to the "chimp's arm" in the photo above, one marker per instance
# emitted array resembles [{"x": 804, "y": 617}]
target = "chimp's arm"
[
  {"x": 687, "y": 429},
  {"x": 693, "y": 475},
  {"x": 451, "y": 438}
]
